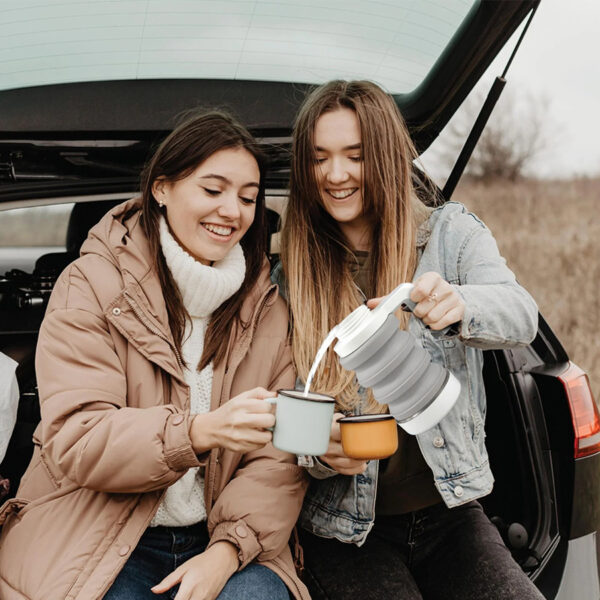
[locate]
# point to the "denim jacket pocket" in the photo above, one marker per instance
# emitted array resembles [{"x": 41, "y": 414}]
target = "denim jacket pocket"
[{"x": 449, "y": 352}]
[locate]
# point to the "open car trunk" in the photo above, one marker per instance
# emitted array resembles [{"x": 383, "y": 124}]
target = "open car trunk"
[{"x": 83, "y": 136}]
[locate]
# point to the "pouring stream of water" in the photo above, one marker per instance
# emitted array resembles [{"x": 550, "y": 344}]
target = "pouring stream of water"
[{"x": 313, "y": 369}]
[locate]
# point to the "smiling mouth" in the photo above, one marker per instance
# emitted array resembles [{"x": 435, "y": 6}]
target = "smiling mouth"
[
  {"x": 341, "y": 194},
  {"x": 218, "y": 230}
]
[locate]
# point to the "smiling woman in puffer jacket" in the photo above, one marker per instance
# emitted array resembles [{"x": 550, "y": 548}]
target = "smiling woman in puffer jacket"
[{"x": 153, "y": 475}]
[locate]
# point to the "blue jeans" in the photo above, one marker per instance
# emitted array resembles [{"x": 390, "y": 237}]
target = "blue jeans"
[
  {"x": 162, "y": 549},
  {"x": 431, "y": 554}
]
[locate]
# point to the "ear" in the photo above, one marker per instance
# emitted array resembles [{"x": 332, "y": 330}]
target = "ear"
[{"x": 159, "y": 190}]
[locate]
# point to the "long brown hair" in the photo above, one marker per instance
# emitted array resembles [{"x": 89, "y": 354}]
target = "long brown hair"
[
  {"x": 315, "y": 253},
  {"x": 183, "y": 150}
]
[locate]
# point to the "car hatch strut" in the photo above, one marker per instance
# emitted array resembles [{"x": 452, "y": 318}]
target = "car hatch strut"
[{"x": 481, "y": 121}]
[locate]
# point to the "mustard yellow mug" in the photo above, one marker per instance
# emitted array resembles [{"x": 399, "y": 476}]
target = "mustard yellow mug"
[{"x": 369, "y": 437}]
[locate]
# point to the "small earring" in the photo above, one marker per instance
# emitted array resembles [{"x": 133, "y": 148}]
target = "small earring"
[{"x": 161, "y": 203}]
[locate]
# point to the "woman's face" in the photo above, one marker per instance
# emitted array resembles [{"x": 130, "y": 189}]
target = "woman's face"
[
  {"x": 210, "y": 210},
  {"x": 339, "y": 171}
]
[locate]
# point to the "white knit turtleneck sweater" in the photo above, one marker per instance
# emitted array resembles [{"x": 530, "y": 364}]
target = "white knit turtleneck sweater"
[{"x": 203, "y": 290}]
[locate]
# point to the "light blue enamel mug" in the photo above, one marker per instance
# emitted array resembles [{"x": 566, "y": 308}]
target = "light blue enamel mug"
[{"x": 302, "y": 423}]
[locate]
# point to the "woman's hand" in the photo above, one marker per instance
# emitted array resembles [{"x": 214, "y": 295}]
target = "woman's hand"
[
  {"x": 335, "y": 456},
  {"x": 203, "y": 576},
  {"x": 239, "y": 425},
  {"x": 438, "y": 303}
]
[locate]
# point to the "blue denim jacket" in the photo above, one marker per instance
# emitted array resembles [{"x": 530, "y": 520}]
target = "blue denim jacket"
[{"x": 499, "y": 313}]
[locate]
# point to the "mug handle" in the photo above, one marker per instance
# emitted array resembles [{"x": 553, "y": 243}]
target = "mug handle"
[{"x": 272, "y": 401}]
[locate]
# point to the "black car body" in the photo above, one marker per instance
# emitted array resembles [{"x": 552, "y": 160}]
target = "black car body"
[{"x": 84, "y": 143}]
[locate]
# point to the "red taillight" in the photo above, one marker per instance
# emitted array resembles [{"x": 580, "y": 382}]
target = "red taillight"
[{"x": 584, "y": 412}]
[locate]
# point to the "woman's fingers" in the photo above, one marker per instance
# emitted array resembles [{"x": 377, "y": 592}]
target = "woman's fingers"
[
  {"x": 438, "y": 303},
  {"x": 250, "y": 404},
  {"x": 336, "y": 435},
  {"x": 259, "y": 393},
  {"x": 335, "y": 456},
  {"x": 452, "y": 316},
  {"x": 244, "y": 417},
  {"x": 169, "y": 581},
  {"x": 186, "y": 591},
  {"x": 438, "y": 311},
  {"x": 344, "y": 464},
  {"x": 448, "y": 311},
  {"x": 352, "y": 468},
  {"x": 203, "y": 576},
  {"x": 260, "y": 421},
  {"x": 424, "y": 285},
  {"x": 373, "y": 302}
]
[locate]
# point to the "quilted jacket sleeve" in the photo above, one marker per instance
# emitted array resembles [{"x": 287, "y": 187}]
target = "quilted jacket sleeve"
[
  {"x": 89, "y": 433},
  {"x": 258, "y": 508}
]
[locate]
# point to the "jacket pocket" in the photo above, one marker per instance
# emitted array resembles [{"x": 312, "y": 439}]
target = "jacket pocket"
[{"x": 12, "y": 507}]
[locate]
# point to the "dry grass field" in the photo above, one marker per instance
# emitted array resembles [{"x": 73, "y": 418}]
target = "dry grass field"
[{"x": 549, "y": 233}]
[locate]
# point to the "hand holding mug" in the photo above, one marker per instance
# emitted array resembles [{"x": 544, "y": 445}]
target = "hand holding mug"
[
  {"x": 335, "y": 457},
  {"x": 241, "y": 425}
]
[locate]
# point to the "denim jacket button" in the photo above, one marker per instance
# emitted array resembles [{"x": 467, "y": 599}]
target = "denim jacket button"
[
  {"x": 438, "y": 441},
  {"x": 458, "y": 491}
]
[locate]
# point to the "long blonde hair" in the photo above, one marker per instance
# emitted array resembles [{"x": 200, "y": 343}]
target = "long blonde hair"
[{"x": 314, "y": 252}]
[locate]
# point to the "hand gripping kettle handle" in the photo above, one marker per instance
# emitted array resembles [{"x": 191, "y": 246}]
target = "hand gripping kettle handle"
[
  {"x": 399, "y": 296},
  {"x": 362, "y": 323}
]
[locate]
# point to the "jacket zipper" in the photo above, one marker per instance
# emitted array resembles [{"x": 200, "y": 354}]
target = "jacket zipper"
[{"x": 140, "y": 315}]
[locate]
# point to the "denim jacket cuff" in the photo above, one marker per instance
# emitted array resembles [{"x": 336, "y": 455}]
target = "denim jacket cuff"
[
  {"x": 447, "y": 333},
  {"x": 315, "y": 467},
  {"x": 471, "y": 322}
]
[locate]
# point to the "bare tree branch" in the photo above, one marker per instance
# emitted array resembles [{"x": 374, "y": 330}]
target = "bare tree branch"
[{"x": 516, "y": 134}]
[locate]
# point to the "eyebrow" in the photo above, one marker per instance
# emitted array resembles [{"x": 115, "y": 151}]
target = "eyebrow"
[
  {"x": 227, "y": 181},
  {"x": 351, "y": 147}
]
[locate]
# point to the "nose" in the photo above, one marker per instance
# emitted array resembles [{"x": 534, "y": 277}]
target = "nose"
[
  {"x": 337, "y": 172},
  {"x": 229, "y": 207}
]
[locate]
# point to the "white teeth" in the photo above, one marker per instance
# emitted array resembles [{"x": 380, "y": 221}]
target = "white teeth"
[
  {"x": 341, "y": 194},
  {"x": 217, "y": 229}
]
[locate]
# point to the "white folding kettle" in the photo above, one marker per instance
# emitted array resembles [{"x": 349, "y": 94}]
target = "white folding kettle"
[{"x": 418, "y": 392}]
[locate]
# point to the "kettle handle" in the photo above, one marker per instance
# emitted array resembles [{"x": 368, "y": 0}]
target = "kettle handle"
[{"x": 398, "y": 297}]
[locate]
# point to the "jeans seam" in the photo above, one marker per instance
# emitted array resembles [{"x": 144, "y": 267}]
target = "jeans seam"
[{"x": 410, "y": 542}]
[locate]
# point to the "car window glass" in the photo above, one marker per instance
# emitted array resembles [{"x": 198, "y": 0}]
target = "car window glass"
[
  {"x": 28, "y": 233},
  {"x": 394, "y": 43}
]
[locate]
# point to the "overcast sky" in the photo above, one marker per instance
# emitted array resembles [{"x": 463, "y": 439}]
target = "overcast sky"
[{"x": 559, "y": 60}]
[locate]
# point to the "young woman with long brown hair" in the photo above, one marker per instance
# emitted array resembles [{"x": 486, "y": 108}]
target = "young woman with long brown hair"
[
  {"x": 409, "y": 527},
  {"x": 153, "y": 475}
]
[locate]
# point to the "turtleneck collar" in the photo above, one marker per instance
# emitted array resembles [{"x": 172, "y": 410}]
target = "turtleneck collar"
[{"x": 202, "y": 288}]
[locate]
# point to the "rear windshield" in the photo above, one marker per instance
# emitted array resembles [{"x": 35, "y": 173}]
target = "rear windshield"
[{"x": 394, "y": 43}]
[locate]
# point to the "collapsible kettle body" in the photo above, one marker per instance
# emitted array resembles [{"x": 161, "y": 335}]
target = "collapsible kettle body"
[{"x": 418, "y": 392}]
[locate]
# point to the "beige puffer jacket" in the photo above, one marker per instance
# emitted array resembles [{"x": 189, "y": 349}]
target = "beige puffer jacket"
[{"x": 114, "y": 429}]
